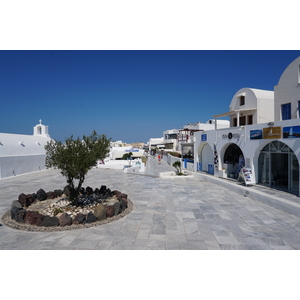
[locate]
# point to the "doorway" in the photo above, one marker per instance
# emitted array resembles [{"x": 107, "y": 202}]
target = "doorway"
[{"x": 278, "y": 167}]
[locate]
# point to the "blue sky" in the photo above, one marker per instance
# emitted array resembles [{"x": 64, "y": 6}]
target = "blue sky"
[{"x": 127, "y": 95}]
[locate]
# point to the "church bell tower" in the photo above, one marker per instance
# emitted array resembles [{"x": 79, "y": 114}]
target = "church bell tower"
[{"x": 41, "y": 130}]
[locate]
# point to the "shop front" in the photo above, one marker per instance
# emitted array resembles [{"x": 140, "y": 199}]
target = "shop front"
[
  {"x": 278, "y": 167},
  {"x": 233, "y": 160}
]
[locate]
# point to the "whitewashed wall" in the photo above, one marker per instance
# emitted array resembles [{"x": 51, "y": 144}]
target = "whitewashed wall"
[
  {"x": 288, "y": 90},
  {"x": 20, "y": 154}
]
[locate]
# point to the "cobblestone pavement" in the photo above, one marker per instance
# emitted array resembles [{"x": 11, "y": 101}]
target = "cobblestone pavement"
[{"x": 179, "y": 213}]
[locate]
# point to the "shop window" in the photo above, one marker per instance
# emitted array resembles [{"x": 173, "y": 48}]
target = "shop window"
[
  {"x": 266, "y": 148},
  {"x": 279, "y": 167},
  {"x": 250, "y": 120},
  {"x": 286, "y": 111}
]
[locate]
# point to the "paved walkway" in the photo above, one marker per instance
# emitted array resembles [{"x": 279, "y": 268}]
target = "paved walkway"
[{"x": 179, "y": 213}]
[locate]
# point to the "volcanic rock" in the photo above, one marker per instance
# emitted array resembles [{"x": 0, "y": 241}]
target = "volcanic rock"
[
  {"x": 123, "y": 205},
  {"x": 51, "y": 195},
  {"x": 58, "y": 192},
  {"x": 100, "y": 212},
  {"x": 17, "y": 204},
  {"x": 89, "y": 191},
  {"x": 41, "y": 195},
  {"x": 79, "y": 219},
  {"x": 102, "y": 189},
  {"x": 117, "y": 207},
  {"x": 18, "y": 214},
  {"x": 13, "y": 212},
  {"x": 50, "y": 221},
  {"x": 110, "y": 211},
  {"x": 64, "y": 219},
  {"x": 66, "y": 190},
  {"x": 25, "y": 200},
  {"x": 90, "y": 218},
  {"x": 117, "y": 193},
  {"x": 33, "y": 218}
]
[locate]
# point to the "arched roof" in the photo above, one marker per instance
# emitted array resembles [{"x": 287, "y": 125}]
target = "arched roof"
[
  {"x": 259, "y": 94},
  {"x": 252, "y": 95},
  {"x": 291, "y": 74},
  {"x": 263, "y": 93}
]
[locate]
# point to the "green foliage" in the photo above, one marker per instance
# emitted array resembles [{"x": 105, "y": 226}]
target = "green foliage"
[
  {"x": 127, "y": 155},
  {"x": 57, "y": 210},
  {"x": 177, "y": 166},
  {"x": 76, "y": 157}
]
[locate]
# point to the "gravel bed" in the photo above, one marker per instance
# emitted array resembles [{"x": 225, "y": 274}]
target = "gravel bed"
[{"x": 6, "y": 220}]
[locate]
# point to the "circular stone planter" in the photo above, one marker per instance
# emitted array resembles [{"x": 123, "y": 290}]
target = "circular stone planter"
[{"x": 23, "y": 214}]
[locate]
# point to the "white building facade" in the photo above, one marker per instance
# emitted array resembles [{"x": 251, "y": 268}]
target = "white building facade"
[
  {"x": 155, "y": 143},
  {"x": 20, "y": 154},
  {"x": 264, "y": 136},
  {"x": 170, "y": 139}
]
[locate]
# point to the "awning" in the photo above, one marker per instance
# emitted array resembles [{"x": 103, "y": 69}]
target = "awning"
[{"x": 234, "y": 112}]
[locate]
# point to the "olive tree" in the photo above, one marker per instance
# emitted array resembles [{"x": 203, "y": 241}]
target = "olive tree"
[
  {"x": 177, "y": 166},
  {"x": 127, "y": 155},
  {"x": 75, "y": 158}
]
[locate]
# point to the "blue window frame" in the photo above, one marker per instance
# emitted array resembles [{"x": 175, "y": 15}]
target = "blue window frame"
[{"x": 286, "y": 111}]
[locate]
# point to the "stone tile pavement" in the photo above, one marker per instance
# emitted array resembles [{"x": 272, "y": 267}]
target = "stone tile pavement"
[{"x": 168, "y": 214}]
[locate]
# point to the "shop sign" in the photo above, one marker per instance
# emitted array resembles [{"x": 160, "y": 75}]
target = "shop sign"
[
  {"x": 246, "y": 174},
  {"x": 272, "y": 133},
  {"x": 203, "y": 137},
  {"x": 291, "y": 132},
  {"x": 231, "y": 136},
  {"x": 256, "y": 134}
]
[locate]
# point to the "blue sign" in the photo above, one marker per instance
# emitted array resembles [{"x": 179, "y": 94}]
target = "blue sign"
[
  {"x": 292, "y": 132},
  {"x": 132, "y": 150},
  {"x": 203, "y": 137},
  {"x": 256, "y": 134}
]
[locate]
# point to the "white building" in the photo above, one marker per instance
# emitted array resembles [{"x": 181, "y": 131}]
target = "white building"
[
  {"x": 266, "y": 142},
  {"x": 287, "y": 93},
  {"x": 259, "y": 107},
  {"x": 21, "y": 154},
  {"x": 186, "y": 136},
  {"x": 117, "y": 144},
  {"x": 118, "y": 152},
  {"x": 170, "y": 139},
  {"x": 182, "y": 140},
  {"x": 156, "y": 143}
]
